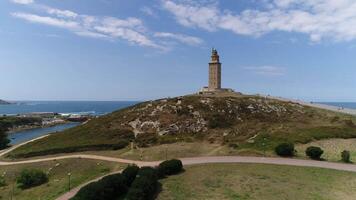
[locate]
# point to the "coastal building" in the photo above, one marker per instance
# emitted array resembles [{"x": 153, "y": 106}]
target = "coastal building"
[{"x": 214, "y": 75}]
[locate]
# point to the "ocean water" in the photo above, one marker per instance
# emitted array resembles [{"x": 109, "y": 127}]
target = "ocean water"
[
  {"x": 75, "y": 107},
  {"x": 26, "y": 135},
  {"x": 89, "y": 107},
  {"x": 351, "y": 105}
]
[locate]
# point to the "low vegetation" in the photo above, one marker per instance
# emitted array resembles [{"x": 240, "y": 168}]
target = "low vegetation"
[
  {"x": 345, "y": 156},
  {"x": 285, "y": 149},
  {"x": 332, "y": 148},
  {"x": 82, "y": 170},
  {"x": 170, "y": 167},
  {"x": 133, "y": 183},
  {"x": 2, "y": 181},
  {"x": 247, "y": 122},
  {"x": 257, "y": 182},
  {"x": 4, "y": 141},
  {"x": 31, "y": 178},
  {"x": 7, "y": 122},
  {"x": 314, "y": 152}
]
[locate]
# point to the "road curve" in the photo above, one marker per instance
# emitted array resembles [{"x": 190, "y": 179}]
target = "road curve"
[{"x": 204, "y": 160}]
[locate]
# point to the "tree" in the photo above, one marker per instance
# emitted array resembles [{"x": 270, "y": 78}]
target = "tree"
[
  {"x": 285, "y": 150},
  {"x": 4, "y": 141},
  {"x": 345, "y": 156},
  {"x": 130, "y": 173},
  {"x": 314, "y": 152},
  {"x": 145, "y": 186}
]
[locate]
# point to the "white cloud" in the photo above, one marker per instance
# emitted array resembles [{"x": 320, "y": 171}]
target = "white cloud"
[
  {"x": 61, "y": 13},
  {"x": 148, "y": 11},
  {"x": 23, "y": 1},
  {"x": 319, "y": 19},
  {"x": 130, "y": 29},
  {"x": 47, "y": 20},
  {"x": 186, "y": 39},
  {"x": 205, "y": 17},
  {"x": 266, "y": 70}
]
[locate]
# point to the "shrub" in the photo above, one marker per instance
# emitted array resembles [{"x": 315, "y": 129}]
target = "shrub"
[
  {"x": 218, "y": 120},
  {"x": 144, "y": 186},
  {"x": 2, "y": 182},
  {"x": 4, "y": 141},
  {"x": 108, "y": 188},
  {"x": 130, "y": 173},
  {"x": 170, "y": 167},
  {"x": 314, "y": 152},
  {"x": 285, "y": 149},
  {"x": 31, "y": 178},
  {"x": 345, "y": 156}
]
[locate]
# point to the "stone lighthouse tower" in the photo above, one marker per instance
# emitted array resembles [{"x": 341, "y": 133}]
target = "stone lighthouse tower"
[
  {"x": 214, "y": 71},
  {"x": 214, "y": 76}
]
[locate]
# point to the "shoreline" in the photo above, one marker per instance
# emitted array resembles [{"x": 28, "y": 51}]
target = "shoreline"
[{"x": 27, "y": 128}]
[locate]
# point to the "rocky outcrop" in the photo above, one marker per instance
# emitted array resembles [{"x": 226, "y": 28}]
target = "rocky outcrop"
[{"x": 200, "y": 114}]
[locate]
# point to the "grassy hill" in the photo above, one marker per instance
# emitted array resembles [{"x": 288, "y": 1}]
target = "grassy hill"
[{"x": 238, "y": 121}]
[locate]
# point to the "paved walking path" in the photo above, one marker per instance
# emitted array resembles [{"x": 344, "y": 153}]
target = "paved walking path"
[{"x": 203, "y": 160}]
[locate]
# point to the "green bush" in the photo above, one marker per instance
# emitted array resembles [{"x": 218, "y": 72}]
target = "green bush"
[
  {"x": 4, "y": 141},
  {"x": 144, "y": 186},
  {"x": 170, "y": 167},
  {"x": 108, "y": 188},
  {"x": 220, "y": 120},
  {"x": 314, "y": 152},
  {"x": 130, "y": 173},
  {"x": 285, "y": 150},
  {"x": 345, "y": 156},
  {"x": 2, "y": 182},
  {"x": 31, "y": 178}
]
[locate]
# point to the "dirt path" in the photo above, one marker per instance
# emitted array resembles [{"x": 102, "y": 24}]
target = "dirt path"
[{"x": 5, "y": 151}]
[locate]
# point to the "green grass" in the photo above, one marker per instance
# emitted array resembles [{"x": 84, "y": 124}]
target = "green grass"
[
  {"x": 82, "y": 170},
  {"x": 257, "y": 181},
  {"x": 332, "y": 148}
]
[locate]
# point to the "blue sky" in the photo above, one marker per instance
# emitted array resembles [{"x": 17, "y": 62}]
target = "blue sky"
[{"x": 138, "y": 50}]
